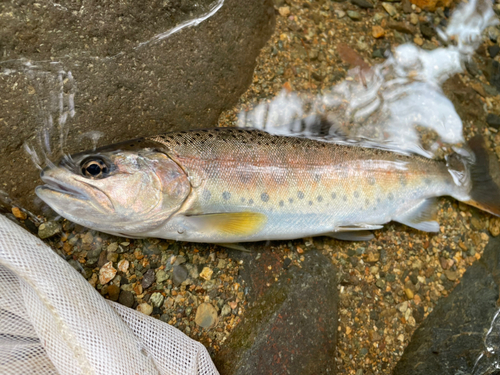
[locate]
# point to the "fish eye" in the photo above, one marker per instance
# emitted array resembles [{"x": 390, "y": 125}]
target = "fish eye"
[{"x": 94, "y": 168}]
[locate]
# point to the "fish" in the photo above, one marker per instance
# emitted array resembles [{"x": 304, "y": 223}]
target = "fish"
[{"x": 232, "y": 185}]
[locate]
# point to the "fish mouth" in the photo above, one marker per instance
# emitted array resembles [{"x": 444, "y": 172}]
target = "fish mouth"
[{"x": 61, "y": 188}]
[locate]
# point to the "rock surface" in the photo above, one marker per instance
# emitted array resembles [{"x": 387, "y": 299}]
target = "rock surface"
[
  {"x": 104, "y": 67},
  {"x": 291, "y": 327},
  {"x": 451, "y": 339}
]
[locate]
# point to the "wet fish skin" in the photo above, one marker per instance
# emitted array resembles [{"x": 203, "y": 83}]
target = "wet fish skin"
[{"x": 235, "y": 185}]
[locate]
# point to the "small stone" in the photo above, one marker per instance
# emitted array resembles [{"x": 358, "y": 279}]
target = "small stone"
[
  {"x": 353, "y": 15},
  {"x": 284, "y": 11},
  {"x": 375, "y": 336},
  {"x": 494, "y": 226},
  {"x": 112, "y": 257},
  {"x": 365, "y": 4},
  {"x": 374, "y": 270},
  {"x": 413, "y": 19},
  {"x": 206, "y": 273},
  {"x": 87, "y": 239},
  {"x": 476, "y": 224},
  {"x": 417, "y": 264},
  {"x": 390, "y": 9},
  {"x": 380, "y": 284},
  {"x": 226, "y": 310},
  {"x": 340, "y": 13},
  {"x": 145, "y": 308},
  {"x": 444, "y": 263},
  {"x": 180, "y": 274},
  {"x": 451, "y": 275},
  {"x": 494, "y": 50},
  {"x": 19, "y": 214},
  {"x": 161, "y": 276},
  {"x": 427, "y": 30},
  {"x": 148, "y": 278},
  {"x": 485, "y": 237},
  {"x": 126, "y": 298},
  {"x": 48, "y": 229},
  {"x": 418, "y": 41},
  {"x": 180, "y": 260},
  {"x": 407, "y": 6},
  {"x": 378, "y": 31},
  {"x": 113, "y": 292},
  {"x": 206, "y": 315},
  {"x": 409, "y": 293},
  {"x": 112, "y": 247},
  {"x": 156, "y": 299},
  {"x": 107, "y": 273},
  {"x": 123, "y": 265},
  {"x": 493, "y": 120}
]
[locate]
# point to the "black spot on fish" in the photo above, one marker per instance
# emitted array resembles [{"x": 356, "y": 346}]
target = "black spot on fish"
[
  {"x": 371, "y": 180},
  {"x": 356, "y": 194},
  {"x": 317, "y": 177},
  {"x": 242, "y": 200},
  {"x": 402, "y": 180},
  {"x": 226, "y": 195},
  {"x": 320, "y": 198},
  {"x": 264, "y": 197},
  {"x": 427, "y": 181},
  {"x": 206, "y": 195},
  {"x": 334, "y": 195},
  {"x": 344, "y": 198},
  {"x": 378, "y": 200},
  {"x": 281, "y": 203},
  {"x": 310, "y": 203},
  {"x": 290, "y": 200},
  {"x": 250, "y": 201},
  {"x": 390, "y": 196},
  {"x": 367, "y": 202},
  {"x": 300, "y": 195}
]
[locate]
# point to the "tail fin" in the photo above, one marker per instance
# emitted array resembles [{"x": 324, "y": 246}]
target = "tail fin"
[{"x": 485, "y": 193}]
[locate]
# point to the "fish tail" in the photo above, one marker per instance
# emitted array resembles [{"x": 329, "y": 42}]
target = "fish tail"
[{"x": 484, "y": 193}]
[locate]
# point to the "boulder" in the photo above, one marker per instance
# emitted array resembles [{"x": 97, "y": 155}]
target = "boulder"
[{"x": 125, "y": 69}]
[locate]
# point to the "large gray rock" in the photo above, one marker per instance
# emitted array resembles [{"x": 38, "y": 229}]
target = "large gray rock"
[
  {"x": 107, "y": 62},
  {"x": 291, "y": 326},
  {"x": 451, "y": 339}
]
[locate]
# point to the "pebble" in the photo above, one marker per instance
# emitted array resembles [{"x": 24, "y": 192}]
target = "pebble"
[
  {"x": 226, "y": 310},
  {"x": 427, "y": 30},
  {"x": 206, "y": 273},
  {"x": 145, "y": 308},
  {"x": 48, "y": 229},
  {"x": 161, "y": 276},
  {"x": 378, "y": 31},
  {"x": 340, "y": 13},
  {"x": 123, "y": 265},
  {"x": 113, "y": 292},
  {"x": 451, "y": 275},
  {"x": 19, "y": 214},
  {"x": 180, "y": 273},
  {"x": 156, "y": 299},
  {"x": 107, "y": 273},
  {"x": 126, "y": 298},
  {"x": 418, "y": 41},
  {"x": 87, "y": 239},
  {"x": 148, "y": 278},
  {"x": 353, "y": 15},
  {"x": 493, "y": 120},
  {"x": 206, "y": 315},
  {"x": 413, "y": 19},
  {"x": 390, "y": 9},
  {"x": 112, "y": 247},
  {"x": 363, "y": 4},
  {"x": 494, "y": 226},
  {"x": 409, "y": 293},
  {"x": 284, "y": 11},
  {"x": 494, "y": 50}
]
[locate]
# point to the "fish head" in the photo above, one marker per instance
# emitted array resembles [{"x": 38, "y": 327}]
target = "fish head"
[{"x": 123, "y": 192}]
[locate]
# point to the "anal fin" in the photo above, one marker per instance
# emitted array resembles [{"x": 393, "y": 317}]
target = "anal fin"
[
  {"x": 229, "y": 223},
  {"x": 233, "y": 246},
  {"x": 360, "y": 235},
  {"x": 422, "y": 216}
]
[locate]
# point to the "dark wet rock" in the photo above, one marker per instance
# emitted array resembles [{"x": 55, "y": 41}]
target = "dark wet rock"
[
  {"x": 180, "y": 273},
  {"x": 126, "y": 298},
  {"x": 48, "y": 229},
  {"x": 427, "y": 30},
  {"x": 495, "y": 74},
  {"x": 126, "y": 81},
  {"x": 493, "y": 120},
  {"x": 148, "y": 278},
  {"x": 113, "y": 292},
  {"x": 472, "y": 68},
  {"x": 291, "y": 327},
  {"x": 353, "y": 15},
  {"x": 401, "y": 27},
  {"x": 365, "y": 4},
  {"x": 450, "y": 340},
  {"x": 494, "y": 50}
]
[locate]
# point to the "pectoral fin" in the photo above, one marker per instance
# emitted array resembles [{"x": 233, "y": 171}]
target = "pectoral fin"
[
  {"x": 229, "y": 223},
  {"x": 422, "y": 216}
]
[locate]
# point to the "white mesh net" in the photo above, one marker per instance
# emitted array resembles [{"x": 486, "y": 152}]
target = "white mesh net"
[{"x": 53, "y": 322}]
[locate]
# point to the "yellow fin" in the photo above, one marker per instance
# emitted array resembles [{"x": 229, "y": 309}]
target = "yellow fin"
[{"x": 231, "y": 223}]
